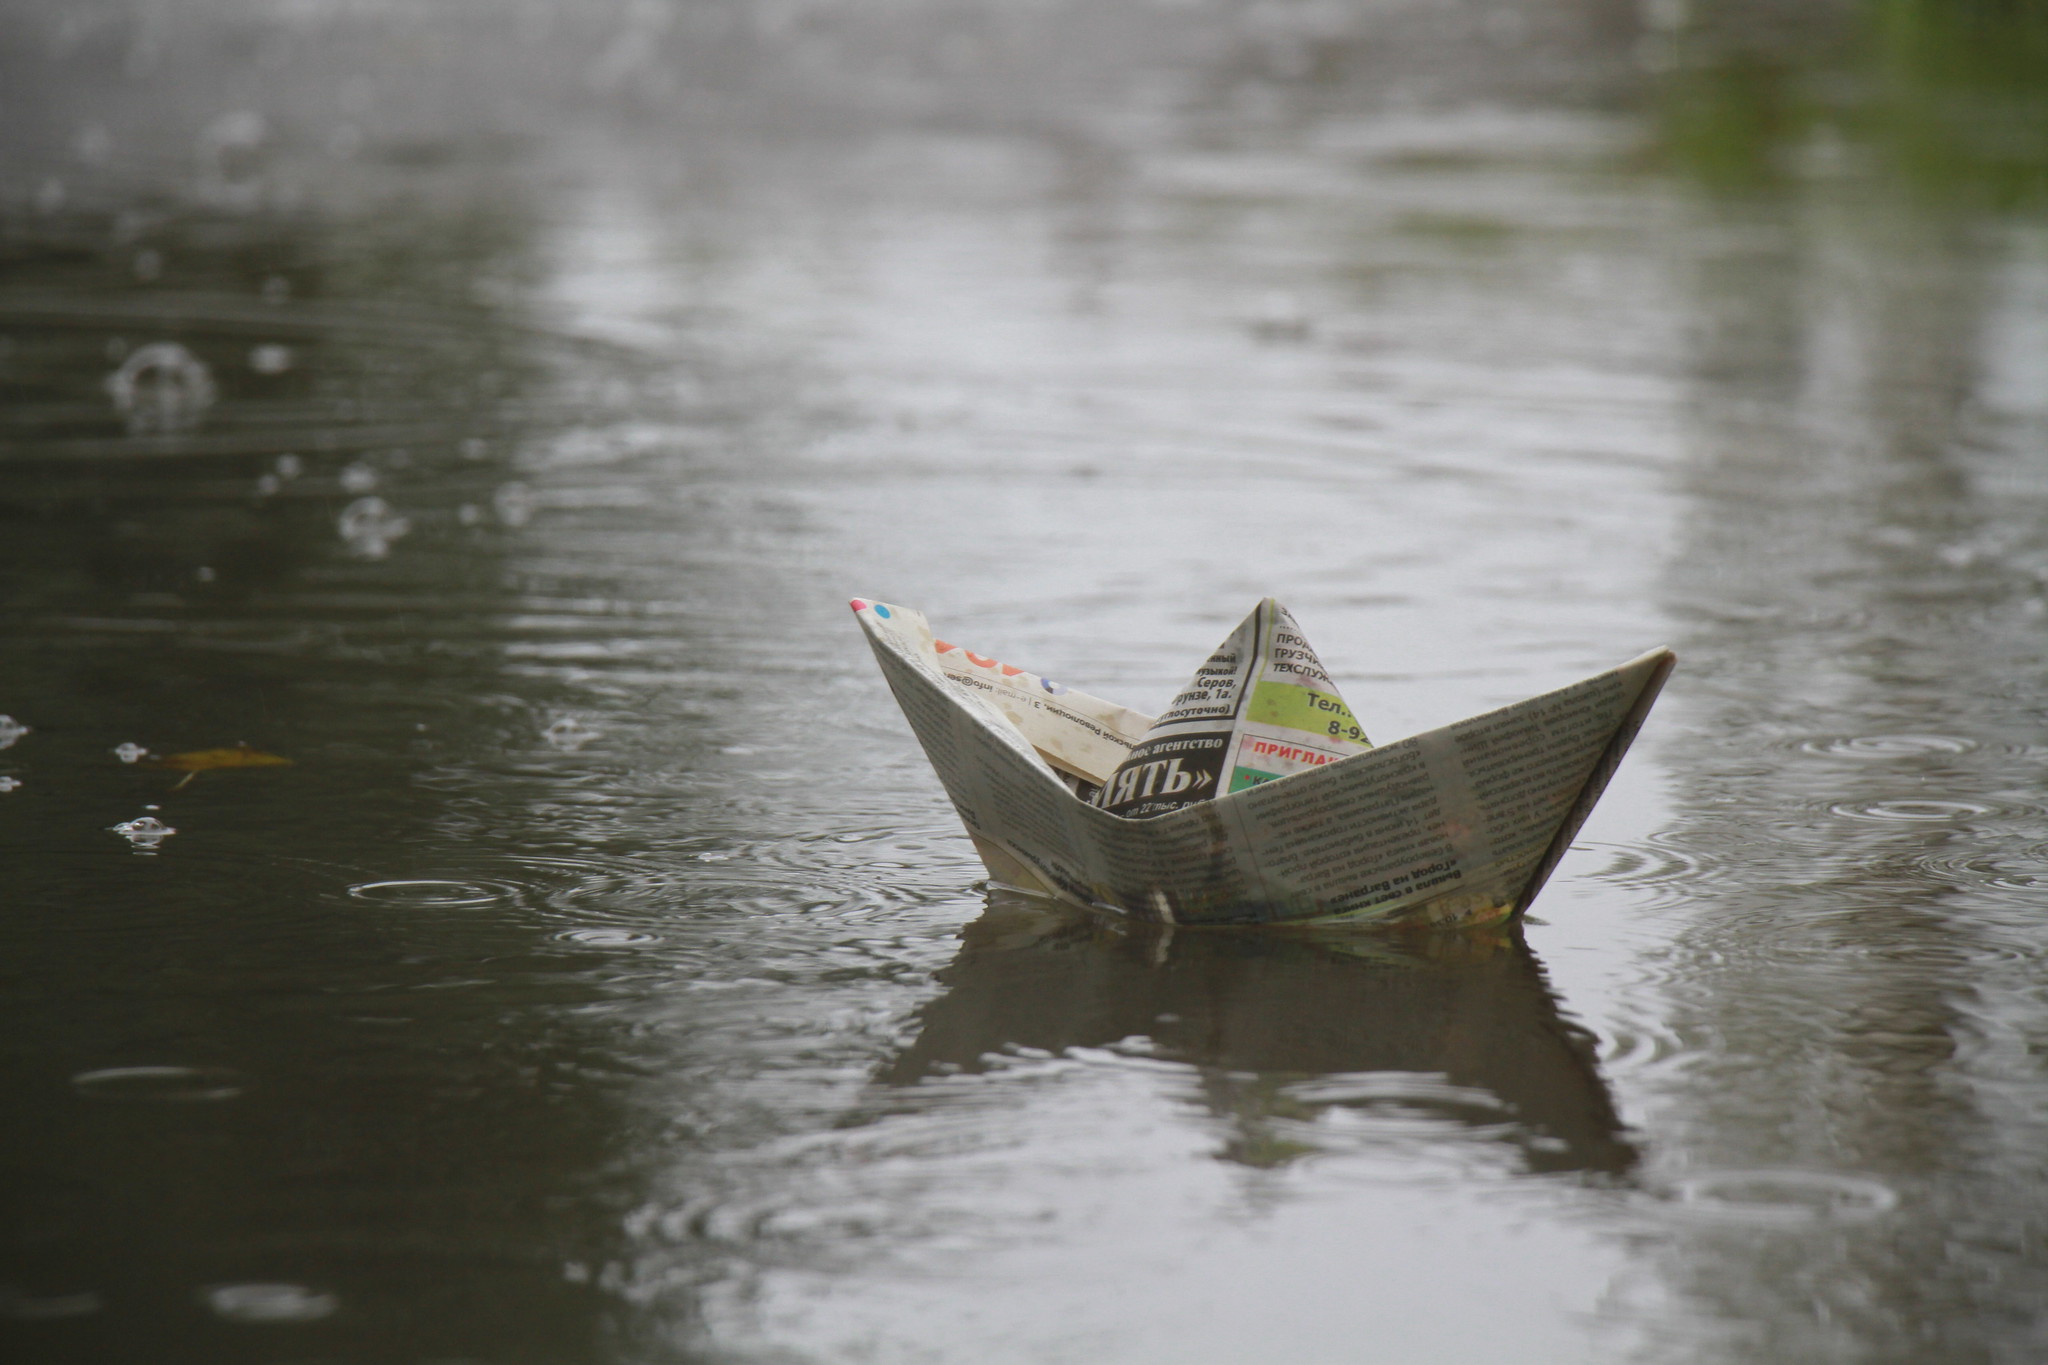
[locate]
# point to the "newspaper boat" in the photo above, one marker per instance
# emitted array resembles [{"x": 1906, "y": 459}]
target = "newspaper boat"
[{"x": 1459, "y": 825}]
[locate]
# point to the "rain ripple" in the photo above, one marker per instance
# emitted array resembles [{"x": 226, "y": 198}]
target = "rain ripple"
[
  {"x": 434, "y": 893},
  {"x": 549, "y": 885},
  {"x": 22, "y": 1306},
  {"x": 1886, "y": 746},
  {"x": 1911, "y": 811},
  {"x": 2024, "y": 869},
  {"x": 1656, "y": 865},
  {"x": 268, "y": 1303},
  {"x": 160, "y": 1084},
  {"x": 1782, "y": 1198}
]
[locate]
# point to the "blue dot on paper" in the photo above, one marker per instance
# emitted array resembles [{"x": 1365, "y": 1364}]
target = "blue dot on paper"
[{"x": 881, "y": 611}]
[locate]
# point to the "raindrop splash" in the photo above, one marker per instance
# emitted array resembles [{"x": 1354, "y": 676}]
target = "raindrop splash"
[
  {"x": 145, "y": 833},
  {"x": 569, "y": 734},
  {"x": 161, "y": 388},
  {"x": 10, "y": 731},
  {"x": 230, "y": 153},
  {"x": 514, "y": 504},
  {"x": 129, "y": 752},
  {"x": 369, "y": 525},
  {"x": 8, "y": 784}
]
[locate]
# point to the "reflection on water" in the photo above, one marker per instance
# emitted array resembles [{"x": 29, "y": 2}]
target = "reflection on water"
[
  {"x": 487, "y": 409},
  {"x": 1300, "y": 1043}
]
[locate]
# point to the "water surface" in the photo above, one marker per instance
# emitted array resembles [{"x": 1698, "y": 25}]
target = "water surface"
[{"x": 490, "y": 409}]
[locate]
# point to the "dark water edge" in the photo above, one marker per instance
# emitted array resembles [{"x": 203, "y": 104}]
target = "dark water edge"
[{"x": 488, "y": 408}]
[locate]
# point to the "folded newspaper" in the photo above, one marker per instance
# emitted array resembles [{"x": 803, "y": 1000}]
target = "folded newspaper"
[{"x": 1256, "y": 797}]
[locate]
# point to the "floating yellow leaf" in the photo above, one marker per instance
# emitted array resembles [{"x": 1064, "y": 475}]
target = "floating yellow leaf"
[{"x": 205, "y": 760}]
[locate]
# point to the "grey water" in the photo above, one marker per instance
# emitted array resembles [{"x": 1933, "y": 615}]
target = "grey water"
[{"x": 488, "y": 408}]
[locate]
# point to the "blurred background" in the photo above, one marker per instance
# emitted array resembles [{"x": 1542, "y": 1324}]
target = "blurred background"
[{"x": 486, "y": 407}]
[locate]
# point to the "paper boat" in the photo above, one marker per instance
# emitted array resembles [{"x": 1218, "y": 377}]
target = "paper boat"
[{"x": 1460, "y": 825}]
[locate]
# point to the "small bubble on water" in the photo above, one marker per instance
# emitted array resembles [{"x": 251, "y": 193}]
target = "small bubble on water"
[
  {"x": 204, "y": 573},
  {"x": 469, "y": 514},
  {"x": 130, "y": 751},
  {"x": 152, "y": 807},
  {"x": 50, "y": 195},
  {"x": 475, "y": 448},
  {"x": 568, "y": 734},
  {"x": 276, "y": 289},
  {"x": 514, "y": 503},
  {"x": 148, "y": 264},
  {"x": 267, "y": 485},
  {"x": 8, "y": 784},
  {"x": 270, "y": 358},
  {"x": 145, "y": 833},
  {"x": 268, "y": 1302},
  {"x": 10, "y": 731},
  {"x": 369, "y": 525},
  {"x": 161, "y": 387},
  {"x": 358, "y": 478},
  {"x": 289, "y": 466},
  {"x": 714, "y": 857}
]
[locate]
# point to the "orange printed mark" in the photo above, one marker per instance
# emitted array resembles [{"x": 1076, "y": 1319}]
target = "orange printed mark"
[{"x": 980, "y": 661}]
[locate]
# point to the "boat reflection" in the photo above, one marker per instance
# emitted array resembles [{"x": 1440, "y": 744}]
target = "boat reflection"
[{"x": 1287, "y": 1032}]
